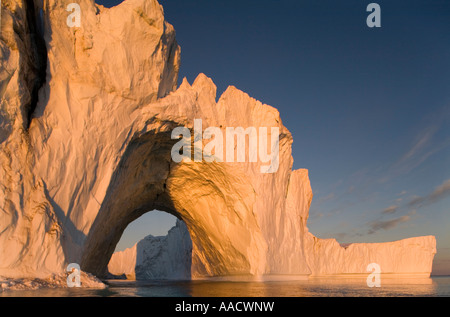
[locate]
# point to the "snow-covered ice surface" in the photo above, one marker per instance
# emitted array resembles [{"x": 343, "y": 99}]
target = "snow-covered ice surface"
[{"x": 54, "y": 281}]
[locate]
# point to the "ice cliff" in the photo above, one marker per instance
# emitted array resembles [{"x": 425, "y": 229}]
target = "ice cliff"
[{"x": 86, "y": 117}]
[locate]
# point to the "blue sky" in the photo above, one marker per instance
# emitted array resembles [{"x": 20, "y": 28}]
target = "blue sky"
[{"x": 368, "y": 108}]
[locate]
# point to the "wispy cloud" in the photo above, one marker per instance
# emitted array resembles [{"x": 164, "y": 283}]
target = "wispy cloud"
[
  {"x": 420, "y": 144},
  {"x": 431, "y": 139},
  {"x": 425, "y": 145},
  {"x": 440, "y": 192},
  {"x": 377, "y": 225},
  {"x": 326, "y": 198},
  {"x": 390, "y": 210}
]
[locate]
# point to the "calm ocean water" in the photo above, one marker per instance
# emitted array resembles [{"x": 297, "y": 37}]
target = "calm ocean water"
[{"x": 438, "y": 286}]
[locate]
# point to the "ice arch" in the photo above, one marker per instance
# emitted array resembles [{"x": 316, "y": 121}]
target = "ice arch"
[
  {"x": 146, "y": 179},
  {"x": 97, "y": 155}
]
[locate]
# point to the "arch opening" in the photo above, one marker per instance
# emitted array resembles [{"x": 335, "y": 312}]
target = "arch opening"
[
  {"x": 160, "y": 248},
  {"x": 155, "y": 222}
]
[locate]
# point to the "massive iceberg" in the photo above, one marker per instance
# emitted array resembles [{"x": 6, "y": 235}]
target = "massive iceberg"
[
  {"x": 86, "y": 117},
  {"x": 169, "y": 257}
]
